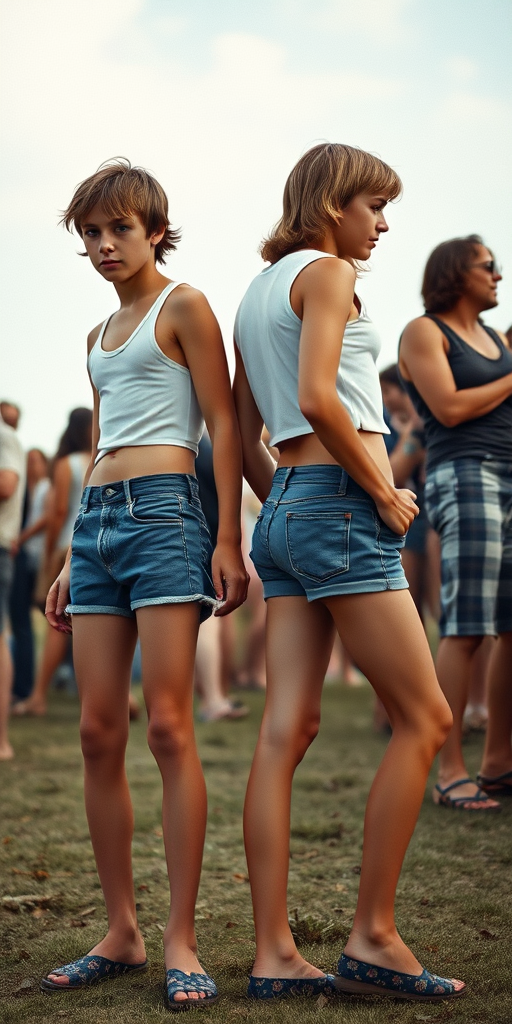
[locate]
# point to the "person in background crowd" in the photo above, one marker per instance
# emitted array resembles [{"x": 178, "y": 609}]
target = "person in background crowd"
[
  {"x": 214, "y": 704},
  {"x": 458, "y": 373},
  {"x": 327, "y": 548},
  {"x": 12, "y": 484},
  {"x": 68, "y": 471},
  {"x": 10, "y": 413}
]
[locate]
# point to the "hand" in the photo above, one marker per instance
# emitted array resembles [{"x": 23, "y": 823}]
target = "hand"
[
  {"x": 399, "y": 512},
  {"x": 58, "y": 598},
  {"x": 230, "y": 578}
]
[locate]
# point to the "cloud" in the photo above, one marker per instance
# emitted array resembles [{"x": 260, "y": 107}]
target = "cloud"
[{"x": 383, "y": 20}]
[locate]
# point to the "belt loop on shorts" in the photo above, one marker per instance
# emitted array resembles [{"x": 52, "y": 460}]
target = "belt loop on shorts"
[
  {"x": 287, "y": 474},
  {"x": 342, "y": 488},
  {"x": 85, "y": 499},
  {"x": 127, "y": 492},
  {"x": 193, "y": 486}
]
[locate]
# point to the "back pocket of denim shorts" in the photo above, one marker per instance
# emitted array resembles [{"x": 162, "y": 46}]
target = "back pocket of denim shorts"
[
  {"x": 318, "y": 543},
  {"x": 157, "y": 509}
]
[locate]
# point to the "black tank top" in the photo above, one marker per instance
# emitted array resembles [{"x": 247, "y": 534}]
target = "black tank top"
[{"x": 486, "y": 437}]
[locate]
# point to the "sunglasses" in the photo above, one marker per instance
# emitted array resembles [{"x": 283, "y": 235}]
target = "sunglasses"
[{"x": 492, "y": 266}]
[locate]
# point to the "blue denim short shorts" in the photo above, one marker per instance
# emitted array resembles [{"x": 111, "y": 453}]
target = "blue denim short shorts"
[
  {"x": 319, "y": 534},
  {"x": 141, "y": 542}
]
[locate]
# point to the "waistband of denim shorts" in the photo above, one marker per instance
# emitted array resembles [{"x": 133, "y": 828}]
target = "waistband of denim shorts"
[
  {"x": 122, "y": 491},
  {"x": 332, "y": 480}
]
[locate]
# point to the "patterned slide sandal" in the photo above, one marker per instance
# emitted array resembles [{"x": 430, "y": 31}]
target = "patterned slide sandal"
[
  {"x": 283, "y": 988},
  {"x": 179, "y": 981},
  {"x": 355, "y": 977},
  {"x": 89, "y": 970}
]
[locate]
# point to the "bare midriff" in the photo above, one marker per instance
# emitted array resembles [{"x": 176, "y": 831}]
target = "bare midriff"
[
  {"x": 142, "y": 460},
  {"x": 309, "y": 451}
]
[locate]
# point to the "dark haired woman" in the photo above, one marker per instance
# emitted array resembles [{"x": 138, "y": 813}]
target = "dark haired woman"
[
  {"x": 68, "y": 469},
  {"x": 327, "y": 548},
  {"x": 459, "y": 375}
]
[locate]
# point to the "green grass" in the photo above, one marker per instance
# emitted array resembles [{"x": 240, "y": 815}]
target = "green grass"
[{"x": 454, "y": 901}]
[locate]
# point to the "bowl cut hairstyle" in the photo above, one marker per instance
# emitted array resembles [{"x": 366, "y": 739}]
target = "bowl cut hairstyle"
[
  {"x": 445, "y": 273},
  {"x": 123, "y": 190},
  {"x": 320, "y": 186}
]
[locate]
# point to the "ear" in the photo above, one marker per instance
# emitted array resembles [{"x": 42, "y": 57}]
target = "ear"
[{"x": 157, "y": 236}]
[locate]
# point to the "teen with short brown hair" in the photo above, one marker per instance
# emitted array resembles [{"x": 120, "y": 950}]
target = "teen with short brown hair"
[{"x": 140, "y": 562}]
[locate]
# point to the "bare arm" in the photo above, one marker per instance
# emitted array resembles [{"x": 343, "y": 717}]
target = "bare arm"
[
  {"x": 259, "y": 466},
  {"x": 327, "y": 289},
  {"x": 8, "y": 483},
  {"x": 199, "y": 335},
  {"x": 406, "y": 456},
  {"x": 423, "y": 361}
]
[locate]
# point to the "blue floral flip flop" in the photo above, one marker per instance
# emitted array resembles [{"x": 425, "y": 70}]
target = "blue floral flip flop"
[
  {"x": 355, "y": 977},
  {"x": 283, "y": 988},
  {"x": 179, "y": 981},
  {"x": 89, "y": 970}
]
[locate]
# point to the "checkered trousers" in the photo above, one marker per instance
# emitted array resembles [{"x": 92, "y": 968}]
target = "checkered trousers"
[{"x": 469, "y": 504}]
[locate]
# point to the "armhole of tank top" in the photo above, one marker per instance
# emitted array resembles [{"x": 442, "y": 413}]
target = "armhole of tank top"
[
  {"x": 99, "y": 338},
  {"x": 156, "y": 310},
  {"x": 444, "y": 330},
  {"x": 321, "y": 256}
]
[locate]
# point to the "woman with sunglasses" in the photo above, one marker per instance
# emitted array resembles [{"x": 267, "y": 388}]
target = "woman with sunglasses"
[{"x": 458, "y": 373}]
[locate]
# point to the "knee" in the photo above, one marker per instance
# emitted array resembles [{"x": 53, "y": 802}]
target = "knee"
[
  {"x": 102, "y": 737},
  {"x": 291, "y": 738},
  {"x": 437, "y": 720},
  {"x": 170, "y": 736}
]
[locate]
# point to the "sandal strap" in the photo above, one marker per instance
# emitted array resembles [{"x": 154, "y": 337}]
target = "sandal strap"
[
  {"x": 179, "y": 981},
  {"x": 453, "y": 785}
]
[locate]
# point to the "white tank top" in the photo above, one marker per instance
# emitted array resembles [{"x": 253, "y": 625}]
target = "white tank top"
[
  {"x": 267, "y": 334},
  {"x": 145, "y": 397}
]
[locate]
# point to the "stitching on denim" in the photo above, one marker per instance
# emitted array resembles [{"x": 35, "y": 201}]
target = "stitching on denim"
[{"x": 317, "y": 518}]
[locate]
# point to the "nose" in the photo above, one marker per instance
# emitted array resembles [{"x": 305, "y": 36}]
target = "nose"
[
  {"x": 383, "y": 224},
  {"x": 106, "y": 245}
]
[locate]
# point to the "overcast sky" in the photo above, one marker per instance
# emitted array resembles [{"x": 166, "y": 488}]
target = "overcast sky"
[{"x": 219, "y": 99}]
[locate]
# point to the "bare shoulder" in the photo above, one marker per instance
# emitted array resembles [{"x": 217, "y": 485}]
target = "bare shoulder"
[
  {"x": 93, "y": 336},
  {"x": 186, "y": 299},
  {"x": 421, "y": 330},
  {"x": 329, "y": 269}
]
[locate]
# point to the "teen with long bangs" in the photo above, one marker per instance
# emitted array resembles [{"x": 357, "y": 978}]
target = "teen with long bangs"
[
  {"x": 327, "y": 548},
  {"x": 141, "y": 562}
]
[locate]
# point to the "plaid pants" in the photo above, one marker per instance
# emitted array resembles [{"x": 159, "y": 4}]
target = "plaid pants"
[{"x": 469, "y": 504}]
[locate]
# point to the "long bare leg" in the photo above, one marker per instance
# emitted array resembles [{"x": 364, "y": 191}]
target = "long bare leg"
[
  {"x": 103, "y": 651},
  {"x": 385, "y": 637},
  {"x": 453, "y": 663},
  {"x": 6, "y": 673},
  {"x": 497, "y": 757},
  {"x": 53, "y": 655},
  {"x": 168, "y": 636},
  {"x": 298, "y": 643}
]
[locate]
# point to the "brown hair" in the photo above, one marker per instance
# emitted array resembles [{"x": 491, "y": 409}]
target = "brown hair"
[
  {"x": 390, "y": 375},
  {"x": 321, "y": 185},
  {"x": 122, "y": 190},
  {"x": 445, "y": 273}
]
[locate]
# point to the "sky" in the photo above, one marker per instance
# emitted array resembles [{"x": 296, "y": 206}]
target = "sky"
[{"x": 219, "y": 100}]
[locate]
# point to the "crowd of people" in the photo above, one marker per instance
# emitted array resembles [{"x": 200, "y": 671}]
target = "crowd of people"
[{"x": 378, "y": 505}]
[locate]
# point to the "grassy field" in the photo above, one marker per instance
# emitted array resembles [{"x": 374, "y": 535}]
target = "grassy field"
[{"x": 454, "y": 899}]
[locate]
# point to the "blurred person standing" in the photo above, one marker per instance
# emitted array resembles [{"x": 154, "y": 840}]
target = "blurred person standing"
[
  {"x": 28, "y": 549},
  {"x": 12, "y": 482},
  {"x": 67, "y": 474},
  {"x": 458, "y": 373}
]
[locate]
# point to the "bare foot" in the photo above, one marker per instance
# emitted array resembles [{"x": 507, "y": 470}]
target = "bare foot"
[
  {"x": 127, "y": 952},
  {"x": 393, "y": 954},
  {"x": 6, "y": 752},
  {"x": 293, "y": 967},
  {"x": 30, "y": 707},
  {"x": 180, "y": 957}
]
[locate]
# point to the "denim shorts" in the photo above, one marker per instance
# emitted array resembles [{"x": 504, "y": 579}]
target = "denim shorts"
[
  {"x": 319, "y": 534},
  {"x": 469, "y": 504},
  {"x": 141, "y": 542}
]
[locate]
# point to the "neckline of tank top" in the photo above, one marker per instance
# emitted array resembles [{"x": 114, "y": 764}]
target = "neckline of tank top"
[
  {"x": 497, "y": 340},
  {"x": 112, "y": 352}
]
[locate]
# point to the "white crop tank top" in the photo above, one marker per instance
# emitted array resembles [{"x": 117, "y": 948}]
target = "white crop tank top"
[
  {"x": 145, "y": 397},
  {"x": 267, "y": 335}
]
